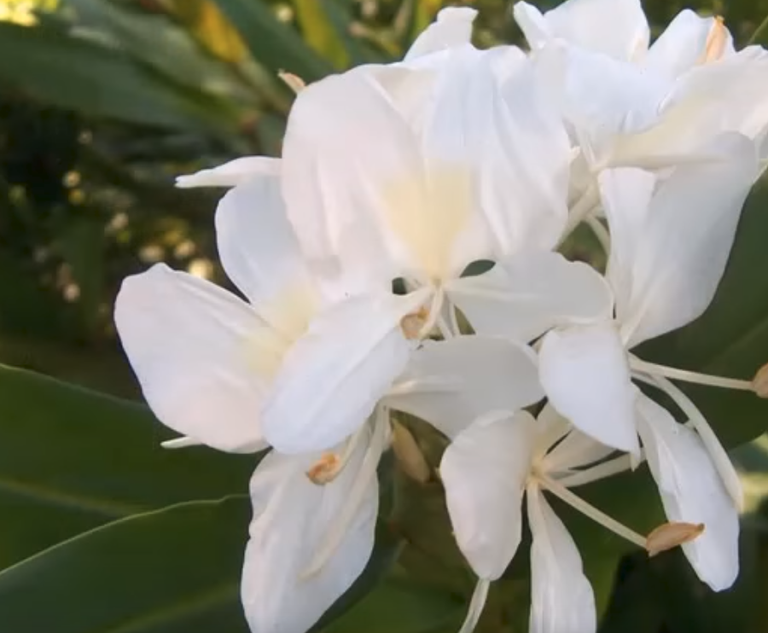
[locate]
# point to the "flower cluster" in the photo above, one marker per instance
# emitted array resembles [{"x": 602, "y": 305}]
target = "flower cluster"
[{"x": 357, "y": 256}]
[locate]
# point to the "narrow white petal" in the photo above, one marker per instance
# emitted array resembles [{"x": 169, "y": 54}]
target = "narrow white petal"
[
  {"x": 452, "y": 27},
  {"x": 575, "y": 451},
  {"x": 261, "y": 256},
  {"x": 678, "y": 243},
  {"x": 562, "y": 600},
  {"x": 196, "y": 350},
  {"x": 692, "y": 492},
  {"x": 526, "y": 295},
  {"x": 451, "y": 383},
  {"x": 476, "y": 606},
  {"x": 484, "y": 472},
  {"x": 333, "y": 376},
  {"x": 291, "y": 518},
  {"x": 233, "y": 173},
  {"x": 585, "y": 374},
  {"x": 682, "y": 45}
]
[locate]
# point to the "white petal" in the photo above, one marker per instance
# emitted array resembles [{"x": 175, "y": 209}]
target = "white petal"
[
  {"x": 453, "y": 27},
  {"x": 484, "y": 471},
  {"x": 233, "y": 173},
  {"x": 260, "y": 254},
  {"x": 681, "y": 240},
  {"x": 682, "y": 44},
  {"x": 332, "y": 378},
  {"x": 616, "y": 28},
  {"x": 516, "y": 137},
  {"x": 528, "y": 294},
  {"x": 562, "y": 600},
  {"x": 451, "y": 383},
  {"x": 291, "y": 518},
  {"x": 196, "y": 350},
  {"x": 585, "y": 374},
  {"x": 692, "y": 492},
  {"x": 575, "y": 451},
  {"x": 350, "y": 166}
]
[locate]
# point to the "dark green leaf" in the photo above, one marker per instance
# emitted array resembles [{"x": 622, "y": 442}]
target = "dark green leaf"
[
  {"x": 272, "y": 43},
  {"x": 72, "y": 459},
  {"x": 174, "y": 570},
  {"x": 96, "y": 80}
]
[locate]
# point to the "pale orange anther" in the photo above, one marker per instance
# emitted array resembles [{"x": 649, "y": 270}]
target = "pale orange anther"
[
  {"x": 325, "y": 469},
  {"x": 716, "y": 41},
  {"x": 413, "y": 324},
  {"x": 294, "y": 82},
  {"x": 669, "y": 535},
  {"x": 760, "y": 382}
]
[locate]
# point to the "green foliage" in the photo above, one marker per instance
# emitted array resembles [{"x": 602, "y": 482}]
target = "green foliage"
[{"x": 102, "y": 104}]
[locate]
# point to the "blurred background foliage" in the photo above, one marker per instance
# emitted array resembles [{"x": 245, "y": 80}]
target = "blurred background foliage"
[{"x": 102, "y": 104}]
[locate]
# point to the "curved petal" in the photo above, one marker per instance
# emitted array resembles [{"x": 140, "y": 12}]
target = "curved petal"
[
  {"x": 576, "y": 451},
  {"x": 291, "y": 518},
  {"x": 526, "y": 295},
  {"x": 484, "y": 471},
  {"x": 260, "y": 254},
  {"x": 692, "y": 492},
  {"x": 616, "y": 28},
  {"x": 562, "y": 600},
  {"x": 197, "y": 350},
  {"x": 350, "y": 165},
  {"x": 451, "y": 28},
  {"x": 680, "y": 240},
  {"x": 585, "y": 374},
  {"x": 332, "y": 378},
  {"x": 231, "y": 174},
  {"x": 682, "y": 45},
  {"x": 451, "y": 383}
]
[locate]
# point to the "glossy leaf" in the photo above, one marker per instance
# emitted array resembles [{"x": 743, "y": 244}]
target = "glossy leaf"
[
  {"x": 96, "y": 80},
  {"x": 72, "y": 459},
  {"x": 271, "y": 42}
]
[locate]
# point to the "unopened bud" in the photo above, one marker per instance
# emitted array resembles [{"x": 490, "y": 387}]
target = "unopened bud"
[
  {"x": 413, "y": 324},
  {"x": 408, "y": 454},
  {"x": 760, "y": 382},
  {"x": 325, "y": 469},
  {"x": 669, "y": 535},
  {"x": 294, "y": 82}
]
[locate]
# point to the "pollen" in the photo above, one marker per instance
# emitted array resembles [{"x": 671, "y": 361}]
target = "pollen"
[
  {"x": 670, "y": 535},
  {"x": 716, "y": 41},
  {"x": 412, "y": 324},
  {"x": 325, "y": 469},
  {"x": 760, "y": 382}
]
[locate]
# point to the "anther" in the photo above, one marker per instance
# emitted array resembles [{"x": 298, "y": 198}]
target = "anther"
[
  {"x": 669, "y": 535},
  {"x": 760, "y": 382},
  {"x": 412, "y": 324},
  {"x": 294, "y": 82},
  {"x": 408, "y": 454},
  {"x": 325, "y": 469}
]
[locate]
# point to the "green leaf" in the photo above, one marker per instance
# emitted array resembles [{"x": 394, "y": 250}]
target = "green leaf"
[
  {"x": 96, "y": 80},
  {"x": 174, "y": 570},
  {"x": 400, "y": 605},
  {"x": 731, "y": 338},
  {"x": 72, "y": 459},
  {"x": 272, "y": 43},
  {"x": 320, "y": 32}
]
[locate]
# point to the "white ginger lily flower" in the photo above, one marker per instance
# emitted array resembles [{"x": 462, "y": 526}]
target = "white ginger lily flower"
[
  {"x": 206, "y": 361},
  {"x": 631, "y": 104},
  {"x": 487, "y": 469},
  {"x": 413, "y": 171},
  {"x": 670, "y": 244}
]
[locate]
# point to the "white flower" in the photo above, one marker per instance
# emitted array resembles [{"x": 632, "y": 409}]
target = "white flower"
[
  {"x": 486, "y": 470},
  {"x": 669, "y": 245},
  {"x": 629, "y": 104},
  {"x": 207, "y": 360}
]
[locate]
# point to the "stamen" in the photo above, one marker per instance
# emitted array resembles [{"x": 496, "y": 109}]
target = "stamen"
[
  {"x": 180, "y": 442},
  {"x": 669, "y": 535},
  {"x": 412, "y": 324},
  {"x": 692, "y": 376},
  {"x": 476, "y": 605},
  {"x": 760, "y": 382},
  {"x": 600, "y": 471},
  {"x": 584, "y": 207},
  {"x": 355, "y": 495},
  {"x": 588, "y": 510},
  {"x": 601, "y": 233},
  {"x": 294, "y": 82},
  {"x": 325, "y": 469},
  {"x": 720, "y": 458}
]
